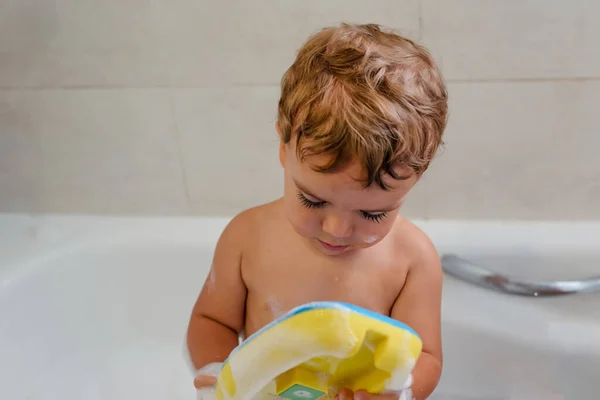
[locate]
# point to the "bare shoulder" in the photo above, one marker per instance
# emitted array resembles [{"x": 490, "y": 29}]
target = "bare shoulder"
[
  {"x": 417, "y": 247},
  {"x": 224, "y": 293},
  {"x": 235, "y": 243},
  {"x": 244, "y": 228}
]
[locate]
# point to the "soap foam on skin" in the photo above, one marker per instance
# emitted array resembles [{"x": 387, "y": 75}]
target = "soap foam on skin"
[
  {"x": 274, "y": 307},
  {"x": 208, "y": 393},
  {"x": 406, "y": 392},
  {"x": 211, "y": 280},
  {"x": 400, "y": 380},
  {"x": 370, "y": 239}
]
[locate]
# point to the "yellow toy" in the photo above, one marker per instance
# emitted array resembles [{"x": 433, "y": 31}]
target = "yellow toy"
[{"x": 317, "y": 349}]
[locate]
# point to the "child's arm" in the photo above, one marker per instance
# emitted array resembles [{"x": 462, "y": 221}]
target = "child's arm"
[
  {"x": 218, "y": 315},
  {"x": 419, "y": 306}
]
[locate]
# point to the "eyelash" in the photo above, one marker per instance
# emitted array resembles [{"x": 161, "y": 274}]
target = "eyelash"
[
  {"x": 320, "y": 204},
  {"x": 310, "y": 204},
  {"x": 373, "y": 217}
]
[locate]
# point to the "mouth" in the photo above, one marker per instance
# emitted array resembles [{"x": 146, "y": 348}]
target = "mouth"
[{"x": 332, "y": 247}]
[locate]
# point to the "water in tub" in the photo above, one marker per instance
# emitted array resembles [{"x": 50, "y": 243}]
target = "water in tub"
[
  {"x": 74, "y": 331},
  {"x": 132, "y": 373}
]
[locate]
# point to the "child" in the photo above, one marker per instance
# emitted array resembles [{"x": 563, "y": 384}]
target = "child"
[{"x": 361, "y": 115}]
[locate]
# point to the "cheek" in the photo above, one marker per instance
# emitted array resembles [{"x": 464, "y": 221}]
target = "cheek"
[
  {"x": 373, "y": 233},
  {"x": 306, "y": 222},
  {"x": 371, "y": 239}
]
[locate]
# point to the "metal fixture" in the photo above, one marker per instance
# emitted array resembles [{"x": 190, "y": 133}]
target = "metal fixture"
[{"x": 470, "y": 272}]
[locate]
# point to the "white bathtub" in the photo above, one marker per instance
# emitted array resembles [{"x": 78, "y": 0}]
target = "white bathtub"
[{"x": 97, "y": 308}]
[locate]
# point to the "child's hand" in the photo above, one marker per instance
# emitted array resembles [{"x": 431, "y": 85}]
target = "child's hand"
[
  {"x": 203, "y": 381},
  {"x": 347, "y": 394},
  {"x": 205, "y": 387},
  {"x": 206, "y": 376},
  {"x": 405, "y": 393}
]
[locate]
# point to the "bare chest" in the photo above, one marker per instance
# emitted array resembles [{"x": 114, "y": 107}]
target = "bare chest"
[{"x": 280, "y": 278}]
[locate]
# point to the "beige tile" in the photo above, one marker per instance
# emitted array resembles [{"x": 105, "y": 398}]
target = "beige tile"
[
  {"x": 80, "y": 42},
  {"x": 519, "y": 150},
  {"x": 219, "y": 42},
  {"x": 230, "y": 147},
  {"x": 491, "y": 39},
  {"x": 20, "y": 156},
  {"x": 417, "y": 204},
  {"x": 91, "y": 69},
  {"x": 103, "y": 151}
]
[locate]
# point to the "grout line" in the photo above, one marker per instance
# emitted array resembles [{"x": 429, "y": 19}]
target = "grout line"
[
  {"x": 253, "y": 85},
  {"x": 137, "y": 87},
  {"x": 177, "y": 137},
  {"x": 420, "y": 20},
  {"x": 527, "y": 80}
]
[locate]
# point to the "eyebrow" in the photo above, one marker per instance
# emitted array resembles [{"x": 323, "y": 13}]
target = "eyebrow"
[{"x": 304, "y": 190}]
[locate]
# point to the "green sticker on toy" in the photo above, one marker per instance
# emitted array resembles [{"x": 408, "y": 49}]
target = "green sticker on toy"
[{"x": 301, "y": 392}]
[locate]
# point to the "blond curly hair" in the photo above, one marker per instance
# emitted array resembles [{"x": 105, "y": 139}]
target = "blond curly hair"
[{"x": 362, "y": 93}]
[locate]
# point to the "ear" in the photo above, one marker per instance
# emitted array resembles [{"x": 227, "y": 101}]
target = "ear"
[
  {"x": 282, "y": 153},
  {"x": 281, "y": 146}
]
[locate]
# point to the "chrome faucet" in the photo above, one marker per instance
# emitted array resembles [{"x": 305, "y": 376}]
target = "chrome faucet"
[{"x": 474, "y": 274}]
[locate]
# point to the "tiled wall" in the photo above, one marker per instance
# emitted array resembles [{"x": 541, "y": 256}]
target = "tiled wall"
[{"x": 167, "y": 107}]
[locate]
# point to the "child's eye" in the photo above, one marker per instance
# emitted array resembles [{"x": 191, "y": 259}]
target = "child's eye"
[
  {"x": 373, "y": 217},
  {"x": 309, "y": 203}
]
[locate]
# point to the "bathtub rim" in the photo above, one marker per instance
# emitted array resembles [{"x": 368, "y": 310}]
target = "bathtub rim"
[{"x": 57, "y": 236}]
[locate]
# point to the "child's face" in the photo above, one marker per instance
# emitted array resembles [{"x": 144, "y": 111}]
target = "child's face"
[{"x": 334, "y": 210}]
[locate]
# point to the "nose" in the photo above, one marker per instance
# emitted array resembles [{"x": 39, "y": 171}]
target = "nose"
[{"x": 337, "y": 226}]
